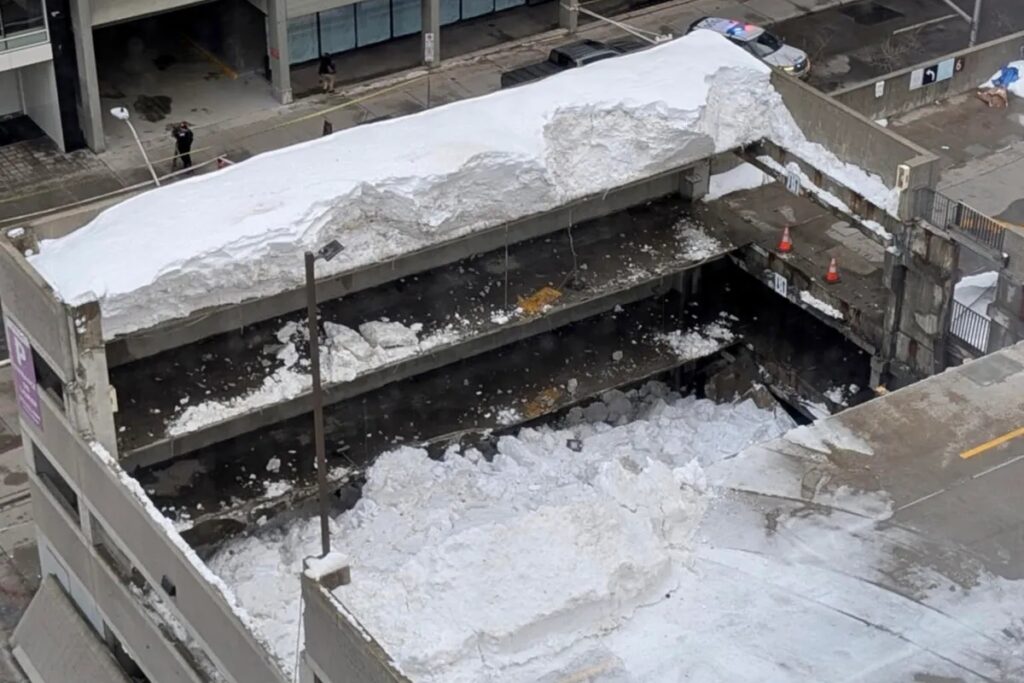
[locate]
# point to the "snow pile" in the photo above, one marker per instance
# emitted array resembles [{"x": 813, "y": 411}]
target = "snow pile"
[
  {"x": 814, "y": 302},
  {"x": 344, "y": 355},
  {"x": 400, "y": 185},
  {"x": 976, "y": 292},
  {"x": 743, "y": 177},
  {"x": 449, "y": 548},
  {"x": 698, "y": 244},
  {"x": 697, "y": 343}
]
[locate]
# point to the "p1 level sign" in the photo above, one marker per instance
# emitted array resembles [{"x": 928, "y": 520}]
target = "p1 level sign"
[{"x": 25, "y": 387}]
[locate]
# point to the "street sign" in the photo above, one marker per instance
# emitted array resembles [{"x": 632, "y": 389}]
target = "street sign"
[
  {"x": 793, "y": 180},
  {"x": 428, "y": 47},
  {"x": 936, "y": 73},
  {"x": 778, "y": 283},
  {"x": 24, "y": 370}
]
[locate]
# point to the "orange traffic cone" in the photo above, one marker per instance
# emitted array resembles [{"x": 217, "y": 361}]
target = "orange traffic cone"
[
  {"x": 832, "y": 276},
  {"x": 786, "y": 244}
]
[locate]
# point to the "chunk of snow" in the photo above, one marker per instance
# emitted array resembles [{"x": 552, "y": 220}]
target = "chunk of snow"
[
  {"x": 814, "y": 302},
  {"x": 400, "y": 185},
  {"x": 976, "y": 292},
  {"x": 1017, "y": 87},
  {"x": 318, "y": 567},
  {"x": 828, "y": 435},
  {"x": 15, "y": 233},
  {"x": 743, "y": 177},
  {"x": 696, "y": 245},
  {"x": 388, "y": 335},
  {"x": 695, "y": 344},
  {"x": 537, "y": 552}
]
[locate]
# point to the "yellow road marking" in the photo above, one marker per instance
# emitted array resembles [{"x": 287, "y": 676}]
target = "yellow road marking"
[
  {"x": 217, "y": 61},
  {"x": 988, "y": 445}
]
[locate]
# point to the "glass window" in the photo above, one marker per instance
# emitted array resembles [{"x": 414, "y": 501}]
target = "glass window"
[
  {"x": 475, "y": 8},
  {"x": 338, "y": 29},
  {"x": 17, "y": 16},
  {"x": 302, "y": 41},
  {"x": 407, "y": 17},
  {"x": 373, "y": 21},
  {"x": 766, "y": 44},
  {"x": 450, "y": 11},
  {"x": 506, "y": 4},
  {"x": 54, "y": 481}
]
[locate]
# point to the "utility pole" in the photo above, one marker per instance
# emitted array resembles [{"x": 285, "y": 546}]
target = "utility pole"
[{"x": 329, "y": 251}]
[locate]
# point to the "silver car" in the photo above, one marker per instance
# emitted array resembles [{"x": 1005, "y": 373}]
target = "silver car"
[{"x": 764, "y": 45}]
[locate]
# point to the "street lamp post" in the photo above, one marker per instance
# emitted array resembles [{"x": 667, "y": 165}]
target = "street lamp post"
[
  {"x": 123, "y": 114},
  {"x": 327, "y": 252}
]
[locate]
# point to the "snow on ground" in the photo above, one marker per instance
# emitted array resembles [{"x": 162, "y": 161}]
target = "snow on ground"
[
  {"x": 814, "y": 302},
  {"x": 697, "y": 343},
  {"x": 381, "y": 191},
  {"x": 697, "y": 245},
  {"x": 438, "y": 547},
  {"x": 665, "y": 558},
  {"x": 976, "y": 292},
  {"x": 743, "y": 177},
  {"x": 344, "y": 355}
]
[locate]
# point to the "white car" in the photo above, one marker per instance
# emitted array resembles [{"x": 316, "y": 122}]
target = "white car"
[{"x": 766, "y": 46}]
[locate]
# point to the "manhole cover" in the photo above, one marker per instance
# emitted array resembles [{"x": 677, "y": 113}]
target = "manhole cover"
[{"x": 870, "y": 13}]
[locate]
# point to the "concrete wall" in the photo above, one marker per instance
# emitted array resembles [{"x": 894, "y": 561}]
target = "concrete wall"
[
  {"x": 109, "y": 11},
  {"x": 850, "y": 136},
  {"x": 39, "y": 90},
  {"x": 979, "y": 63},
  {"x": 32, "y": 304},
  {"x": 10, "y": 96},
  {"x": 141, "y": 636},
  {"x": 338, "y": 647},
  {"x": 197, "y": 603}
]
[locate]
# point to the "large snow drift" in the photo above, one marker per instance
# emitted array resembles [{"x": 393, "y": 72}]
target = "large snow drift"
[
  {"x": 399, "y": 185},
  {"x": 450, "y": 548}
]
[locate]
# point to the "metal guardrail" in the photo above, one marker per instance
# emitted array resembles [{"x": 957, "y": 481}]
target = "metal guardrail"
[
  {"x": 949, "y": 214},
  {"x": 970, "y": 327}
]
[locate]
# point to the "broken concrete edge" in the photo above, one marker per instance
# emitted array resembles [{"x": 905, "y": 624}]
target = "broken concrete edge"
[{"x": 439, "y": 356}]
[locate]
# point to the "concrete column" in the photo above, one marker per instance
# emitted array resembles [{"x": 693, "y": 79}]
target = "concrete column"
[
  {"x": 89, "y": 399},
  {"x": 568, "y": 15},
  {"x": 89, "y": 111},
  {"x": 431, "y": 33},
  {"x": 277, "y": 50}
]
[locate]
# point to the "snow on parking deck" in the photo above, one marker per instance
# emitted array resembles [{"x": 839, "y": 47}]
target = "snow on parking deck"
[{"x": 396, "y": 186}]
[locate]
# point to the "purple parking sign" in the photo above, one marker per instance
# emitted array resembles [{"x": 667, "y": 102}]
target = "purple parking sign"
[{"x": 24, "y": 374}]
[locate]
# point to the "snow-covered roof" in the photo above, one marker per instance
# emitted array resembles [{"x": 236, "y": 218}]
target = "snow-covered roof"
[{"x": 399, "y": 185}]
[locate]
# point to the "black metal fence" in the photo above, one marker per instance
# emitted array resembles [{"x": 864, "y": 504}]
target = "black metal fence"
[
  {"x": 949, "y": 214},
  {"x": 970, "y": 327}
]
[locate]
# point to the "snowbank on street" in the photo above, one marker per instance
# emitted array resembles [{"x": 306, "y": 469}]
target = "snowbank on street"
[
  {"x": 397, "y": 186},
  {"x": 439, "y": 547}
]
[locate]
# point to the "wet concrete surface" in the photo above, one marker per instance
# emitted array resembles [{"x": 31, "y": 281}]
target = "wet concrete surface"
[
  {"x": 756, "y": 218},
  {"x": 856, "y": 42},
  {"x": 228, "y": 486},
  {"x": 591, "y": 260},
  {"x": 981, "y": 151}
]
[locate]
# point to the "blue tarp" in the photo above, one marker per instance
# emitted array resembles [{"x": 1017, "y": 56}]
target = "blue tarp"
[{"x": 1007, "y": 76}]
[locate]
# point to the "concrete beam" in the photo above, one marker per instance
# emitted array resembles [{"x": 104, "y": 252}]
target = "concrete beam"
[
  {"x": 277, "y": 50},
  {"x": 169, "y": 448},
  {"x": 568, "y": 15},
  {"x": 89, "y": 110}
]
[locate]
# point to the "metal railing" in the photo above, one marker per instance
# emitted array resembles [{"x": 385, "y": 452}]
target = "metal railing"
[
  {"x": 17, "y": 41},
  {"x": 970, "y": 327},
  {"x": 950, "y": 214}
]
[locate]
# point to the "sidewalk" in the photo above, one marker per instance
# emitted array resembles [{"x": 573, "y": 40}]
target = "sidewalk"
[{"x": 82, "y": 174}]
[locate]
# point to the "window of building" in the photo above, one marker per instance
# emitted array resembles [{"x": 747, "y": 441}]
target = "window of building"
[
  {"x": 108, "y": 550},
  {"x": 55, "y": 482},
  {"x": 21, "y": 23},
  {"x": 47, "y": 379}
]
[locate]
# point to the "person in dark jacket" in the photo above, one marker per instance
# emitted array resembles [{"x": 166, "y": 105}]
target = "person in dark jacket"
[
  {"x": 183, "y": 144},
  {"x": 327, "y": 71}
]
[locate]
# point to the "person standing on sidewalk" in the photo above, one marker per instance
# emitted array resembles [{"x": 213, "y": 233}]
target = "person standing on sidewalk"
[
  {"x": 183, "y": 144},
  {"x": 327, "y": 72}
]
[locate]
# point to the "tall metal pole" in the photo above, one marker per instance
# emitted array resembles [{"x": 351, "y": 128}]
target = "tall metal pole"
[
  {"x": 974, "y": 22},
  {"x": 318, "y": 402},
  {"x": 143, "y": 150}
]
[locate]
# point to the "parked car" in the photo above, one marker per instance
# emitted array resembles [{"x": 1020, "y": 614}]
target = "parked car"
[
  {"x": 564, "y": 57},
  {"x": 763, "y": 44}
]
